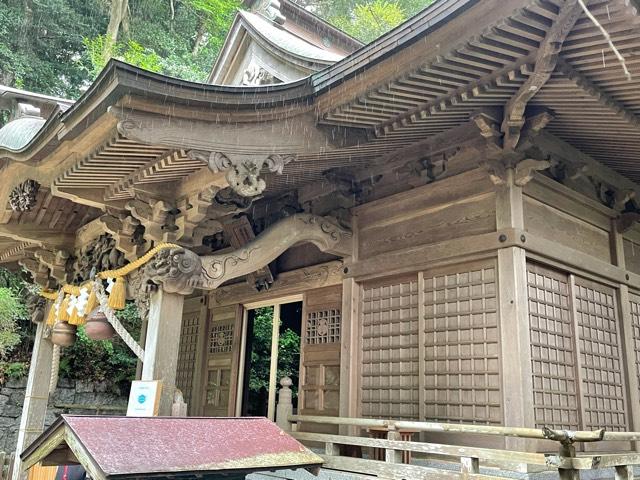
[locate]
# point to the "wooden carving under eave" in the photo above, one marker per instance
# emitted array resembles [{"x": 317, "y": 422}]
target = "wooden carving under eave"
[
  {"x": 321, "y": 231},
  {"x": 243, "y": 171},
  {"x": 546, "y": 61},
  {"x": 179, "y": 270},
  {"x": 240, "y": 233},
  {"x": 24, "y": 197}
]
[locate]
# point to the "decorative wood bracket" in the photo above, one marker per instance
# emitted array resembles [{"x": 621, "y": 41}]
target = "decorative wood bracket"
[
  {"x": 195, "y": 221},
  {"x": 156, "y": 217},
  {"x": 123, "y": 229},
  {"x": 546, "y": 61},
  {"x": 181, "y": 271},
  {"x": 56, "y": 262},
  {"x": 243, "y": 171},
  {"x": 39, "y": 272},
  {"x": 301, "y": 227}
]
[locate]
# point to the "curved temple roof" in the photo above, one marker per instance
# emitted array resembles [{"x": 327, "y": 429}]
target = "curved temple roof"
[
  {"x": 425, "y": 77},
  {"x": 120, "y": 79}
]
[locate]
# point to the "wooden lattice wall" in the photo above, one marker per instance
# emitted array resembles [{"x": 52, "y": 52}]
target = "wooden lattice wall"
[
  {"x": 461, "y": 345},
  {"x": 555, "y": 395},
  {"x": 578, "y": 377},
  {"x": 600, "y": 357},
  {"x": 390, "y": 349},
  {"x": 193, "y": 321}
]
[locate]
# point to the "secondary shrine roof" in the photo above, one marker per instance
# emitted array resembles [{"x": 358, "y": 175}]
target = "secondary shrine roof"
[{"x": 127, "y": 447}]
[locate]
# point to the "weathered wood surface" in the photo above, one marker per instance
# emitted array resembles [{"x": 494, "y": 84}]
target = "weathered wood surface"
[{"x": 470, "y": 460}]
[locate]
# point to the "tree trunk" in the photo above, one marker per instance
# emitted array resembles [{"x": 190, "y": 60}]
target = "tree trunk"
[
  {"x": 200, "y": 38},
  {"x": 117, "y": 17}
]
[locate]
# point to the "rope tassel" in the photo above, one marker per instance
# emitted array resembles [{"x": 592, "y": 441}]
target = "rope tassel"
[{"x": 118, "y": 295}]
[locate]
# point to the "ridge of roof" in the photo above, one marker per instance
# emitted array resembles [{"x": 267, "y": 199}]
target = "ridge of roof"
[{"x": 285, "y": 40}]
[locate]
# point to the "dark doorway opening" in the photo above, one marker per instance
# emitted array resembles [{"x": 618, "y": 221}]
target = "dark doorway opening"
[{"x": 259, "y": 364}]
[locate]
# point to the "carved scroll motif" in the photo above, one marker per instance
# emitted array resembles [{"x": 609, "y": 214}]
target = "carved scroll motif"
[
  {"x": 301, "y": 227},
  {"x": 243, "y": 172},
  {"x": 24, "y": 197}
]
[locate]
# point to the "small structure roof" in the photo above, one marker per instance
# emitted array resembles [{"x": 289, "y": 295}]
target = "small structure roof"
[
  {"x": 285, "y": 40},
  {"x": 128, "y": 447},
  {"x": 17, "y": 133}
]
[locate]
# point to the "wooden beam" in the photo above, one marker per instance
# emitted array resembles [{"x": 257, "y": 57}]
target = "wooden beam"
[
  {"x": 545, "y": 64},
  {"x": 551, "y": 144},
  {"x": 37, "y": 235},
  {"x": 288, "y": 136}
]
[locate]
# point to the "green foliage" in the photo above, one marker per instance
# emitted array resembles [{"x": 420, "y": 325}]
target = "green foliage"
[
  {"x": 13, "y": 371},
  {"x": 368, "y": 21},
  {"x": 11, "y": 309},
  {"x": 109, "y": 360},
  {"x": 288, "y": 351},
  {"x": 54, "y": 46},
  {"x": 365, "y": 20},
  {"x": 131, "y": 52},
  {"x": 41, "y": 47}
]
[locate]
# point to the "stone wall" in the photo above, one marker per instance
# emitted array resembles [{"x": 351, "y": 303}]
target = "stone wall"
[{"x": 79, "y": 398}]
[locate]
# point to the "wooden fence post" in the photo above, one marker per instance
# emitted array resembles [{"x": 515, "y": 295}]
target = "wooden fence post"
[
  {"x": 568, "y": 450},
  {"x": 285, "y": 405},
  {"x": 391, "y": 455}
]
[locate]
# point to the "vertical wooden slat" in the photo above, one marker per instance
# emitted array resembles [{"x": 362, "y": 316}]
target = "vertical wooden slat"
[
  {"x": 421, "y": 348},
  {"x": 273, "y": 379},
  {"x": 576, "y": 349},
  {"x": 241, "y": 363},
  {"x": 350, "y": 363}
]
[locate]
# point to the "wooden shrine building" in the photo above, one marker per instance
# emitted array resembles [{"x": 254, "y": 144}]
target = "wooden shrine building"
[{"x": 455, "y": 206}]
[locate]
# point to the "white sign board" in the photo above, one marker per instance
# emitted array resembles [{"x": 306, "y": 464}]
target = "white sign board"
[{"x": 144, "y": 399}]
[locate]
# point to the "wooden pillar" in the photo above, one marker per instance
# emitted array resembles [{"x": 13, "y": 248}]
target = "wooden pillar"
[
  {"x": 162, "y": 344},
  {"x": 36, "y": 396},
  {"x": 350, "y": 351},
  {"x": 628, "y": 343},
  {"x": 517, "y": 383},
  {"x": 273, "y": 375}
]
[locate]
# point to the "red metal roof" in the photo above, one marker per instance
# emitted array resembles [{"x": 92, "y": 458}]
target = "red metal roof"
[{"x": 125, "y": 446}]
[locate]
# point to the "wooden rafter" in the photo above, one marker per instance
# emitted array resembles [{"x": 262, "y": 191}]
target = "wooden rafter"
[
  {"x": 596, "y": 92},
  {"x": 546, "y": 61}
]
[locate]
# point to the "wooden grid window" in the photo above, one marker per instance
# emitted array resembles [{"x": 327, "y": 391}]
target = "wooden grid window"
[
  {"x": 221, "y": 338},
  {"x": 462, "y": 370},
  {"x": 555, "y": 397},
  {"x": 390, "y": 350},
  {"x": 187, "y": 354},
  {"x": 634, "y": 301},
  {"x": 600, "y": 357},
  {"x": 323, "y": 327}
]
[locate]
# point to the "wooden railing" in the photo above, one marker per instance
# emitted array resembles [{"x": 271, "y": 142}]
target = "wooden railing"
[
  {"x": 458, "y": 461},
  {"x": 6, "y": 465}
]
